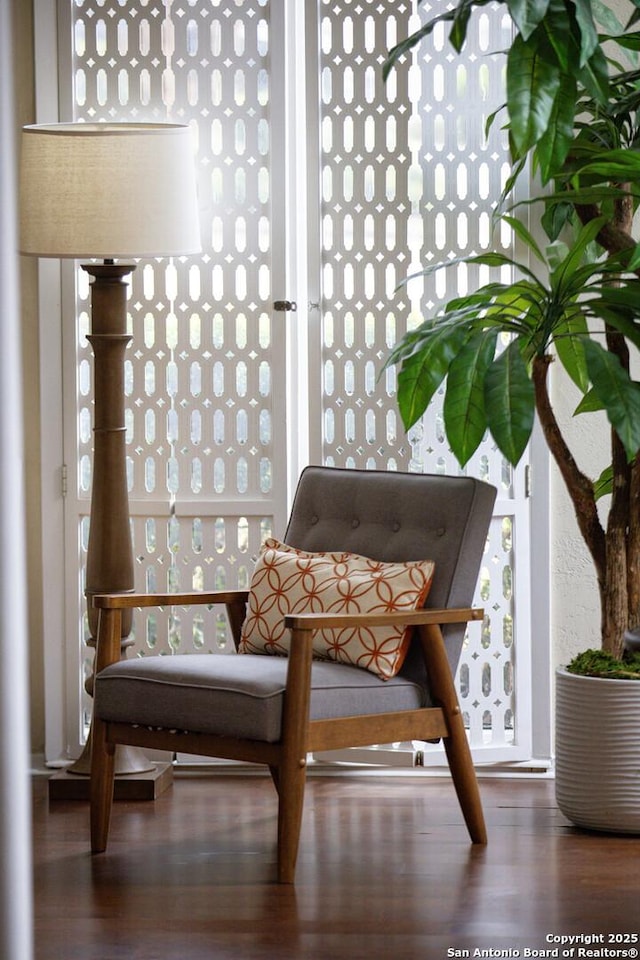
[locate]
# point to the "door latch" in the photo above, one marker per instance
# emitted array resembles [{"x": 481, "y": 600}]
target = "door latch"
[{"x": 285, "y": 305}]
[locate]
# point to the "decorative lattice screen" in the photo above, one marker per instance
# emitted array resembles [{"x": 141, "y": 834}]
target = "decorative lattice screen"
[
  {"x": 408, "y": 179},
  {"x": 405, "y": 177},
  {"x": 204, "y": 482}
]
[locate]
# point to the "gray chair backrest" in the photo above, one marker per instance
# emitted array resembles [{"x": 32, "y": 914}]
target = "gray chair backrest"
[{"x": 394, "y": 516}]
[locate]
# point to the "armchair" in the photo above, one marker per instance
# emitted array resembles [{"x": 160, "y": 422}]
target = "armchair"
[{"x": 276, "y": 710}]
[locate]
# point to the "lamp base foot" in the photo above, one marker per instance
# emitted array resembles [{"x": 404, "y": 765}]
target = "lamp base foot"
[{"x": 139, "y": 786}]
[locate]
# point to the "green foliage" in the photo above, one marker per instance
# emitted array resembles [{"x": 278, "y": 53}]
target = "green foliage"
[
  {"x": 598, "y": 663},
  {"x": 480, "y": 348}
]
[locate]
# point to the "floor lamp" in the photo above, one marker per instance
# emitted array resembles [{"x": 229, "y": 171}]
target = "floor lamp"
[{"x": 104, "y": 192}]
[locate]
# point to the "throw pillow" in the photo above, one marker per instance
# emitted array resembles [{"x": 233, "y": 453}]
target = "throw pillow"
[{"x": 286, "y": 580}]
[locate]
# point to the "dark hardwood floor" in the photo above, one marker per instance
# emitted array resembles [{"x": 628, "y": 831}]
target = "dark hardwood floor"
[{"x": 385, "y": 871}]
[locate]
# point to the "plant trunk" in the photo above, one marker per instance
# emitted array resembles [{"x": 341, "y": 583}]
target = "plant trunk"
[
  {"x": 614, "y": 593},
  {"x": 633, "y": 545},
  {"x": 620, "y": 591},
  {"x": 614, "y": 598},
  {"x": 608, "y": 550}
]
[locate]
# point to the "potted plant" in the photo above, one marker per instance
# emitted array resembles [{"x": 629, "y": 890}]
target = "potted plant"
[{"x": 573, "y": 116}]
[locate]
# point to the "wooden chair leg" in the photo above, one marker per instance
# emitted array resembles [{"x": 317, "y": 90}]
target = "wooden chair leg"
[
  {"x": 290, "y": 806},
  {"x": 292, "y": 769},
  {"x": 464, "y": 777},
  {"x": 103, "y": 752},
  {"x": 102, "y": 781},
  {"x": 456, "y": 744}
]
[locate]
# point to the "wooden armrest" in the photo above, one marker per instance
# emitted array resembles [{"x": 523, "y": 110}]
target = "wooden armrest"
[
  {"x": 119, "y": 601},
  {"x": 111, "y": 605},
  {"x": 304, "y": 625},
  {"x": 318, "y": 621}
]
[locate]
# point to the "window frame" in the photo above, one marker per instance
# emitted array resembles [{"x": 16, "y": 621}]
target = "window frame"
[{"x": 303, "y": 443}]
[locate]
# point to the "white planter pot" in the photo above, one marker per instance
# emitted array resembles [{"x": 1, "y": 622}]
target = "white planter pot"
[{"x": 598, "y": 752}]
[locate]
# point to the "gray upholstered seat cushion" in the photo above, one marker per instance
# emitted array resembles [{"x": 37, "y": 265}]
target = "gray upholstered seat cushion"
[{"x": 239, "y": 695}]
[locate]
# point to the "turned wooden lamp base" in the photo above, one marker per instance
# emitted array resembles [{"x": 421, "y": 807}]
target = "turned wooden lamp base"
[{"x": 110, "y": 550}]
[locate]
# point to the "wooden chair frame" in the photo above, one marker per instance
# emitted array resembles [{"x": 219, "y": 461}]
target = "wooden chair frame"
[{"x": 287, "y": 758}]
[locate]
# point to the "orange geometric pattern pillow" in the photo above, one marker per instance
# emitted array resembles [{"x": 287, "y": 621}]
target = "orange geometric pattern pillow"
[{"x": 286, "y": 580}]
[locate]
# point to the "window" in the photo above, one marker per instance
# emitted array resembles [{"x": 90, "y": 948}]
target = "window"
[{"x": 395, "y": 176}]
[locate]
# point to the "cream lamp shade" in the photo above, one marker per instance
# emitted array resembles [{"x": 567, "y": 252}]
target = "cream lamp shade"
[{"x": 108, "y": 190}]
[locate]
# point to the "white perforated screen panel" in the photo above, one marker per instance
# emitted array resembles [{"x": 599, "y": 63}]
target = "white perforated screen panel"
[{"x": 409, "y": 179}]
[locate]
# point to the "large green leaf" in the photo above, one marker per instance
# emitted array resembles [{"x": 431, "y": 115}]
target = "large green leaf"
[
  {"x": 532, "y": 86},
  {"x": 615, "y": 165},
  {"x": 527, "y": 238},
  {"x": 509, "y": 403},
  {"x": 492, "y": 259},
  {"x": 594, "y": 76},
  {"x": 558, "y": 38},
  {"x": 553, "y": 146},
  {"x": 423, "y": 372},
  {"x": 590, "y": 403},
  {"x": 619, "y": 395},
  {"x": 568, "y": 339},
  {"x": 606, "y": 19},
  {"x": 458, "y": 32},
  {"x": 527, "y": 14},
  {"x": 630, "y": 40},
  {"x": 588, "y": 31},
  {"x": 587, "y": 194},
  {"x": 464, "y": 412},
  {"x": 555, "y": 218}
]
